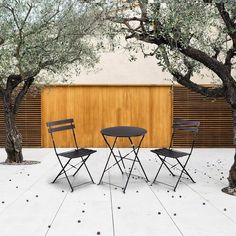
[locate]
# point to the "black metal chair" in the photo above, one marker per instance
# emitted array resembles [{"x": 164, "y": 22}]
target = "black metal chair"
[
  {"x": 82, "y": 153},
  {"x": 164, "y": 153}
]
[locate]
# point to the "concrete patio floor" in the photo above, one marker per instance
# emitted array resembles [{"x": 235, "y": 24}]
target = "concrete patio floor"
[{"x": 31, "y": 206}]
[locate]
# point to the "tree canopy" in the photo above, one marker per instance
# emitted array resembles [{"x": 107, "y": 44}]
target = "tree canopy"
[
  {"x": 38, "y": 36},
  {"x": 48, "y": 35},
  {"x": 187, "y": 35}
]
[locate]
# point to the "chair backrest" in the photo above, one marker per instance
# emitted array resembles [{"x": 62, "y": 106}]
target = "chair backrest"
[
  {"x": 61, "y": 125},
  {"x": 189, "y": 126}
]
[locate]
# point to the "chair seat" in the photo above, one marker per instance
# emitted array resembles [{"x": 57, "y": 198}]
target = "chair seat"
[
  {"x": 77, "y": 153},
  {"x": 169, "y": 153}
]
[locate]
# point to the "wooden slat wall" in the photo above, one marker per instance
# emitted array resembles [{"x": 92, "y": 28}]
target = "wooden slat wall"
[
  {"x": 96, "y": 107},
  {"x": 28, "y": 121},
  {"x": 215, "y": 117}
]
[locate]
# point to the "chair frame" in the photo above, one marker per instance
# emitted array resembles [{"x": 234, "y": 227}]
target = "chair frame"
[
  {"x": 184, "y": 125},
  {"x": 84, "y": 154}
]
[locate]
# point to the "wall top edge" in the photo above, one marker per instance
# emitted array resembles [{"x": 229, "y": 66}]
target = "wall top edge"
[
  {"x": 107, "y": 85},
  {"x": 121, "y": 85}
]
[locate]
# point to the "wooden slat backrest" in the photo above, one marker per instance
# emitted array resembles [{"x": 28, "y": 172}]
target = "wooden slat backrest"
[
  {"x": 59, "y": 122},
  {"x": 186, "y": 122},
  {"x": 189, "y": 126},
  {"x": 60, "y": 125},
  {"x": 186, "y": 125},
  {"x": 61, "y": 128}
]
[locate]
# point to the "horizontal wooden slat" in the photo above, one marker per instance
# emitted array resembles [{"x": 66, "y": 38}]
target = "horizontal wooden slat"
[
  {"x": 215, "y": 116},
  {"x": 28, "y": 121},
  {"x": 60, "y": 122},
  {"x": 61, "y": 128}
]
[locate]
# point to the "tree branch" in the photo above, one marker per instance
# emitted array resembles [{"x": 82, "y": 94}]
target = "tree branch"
[
  {"x": 206, "y": 60},
  {"x": 207, "y": 1},
  {"x": 208, "y": 92},
  {"x": 45, "y": 23},
  {"x": 20, "y": 29},
  {"x": 22, "y": 93},
  {"x": 27, "y": 15},
  {"x": 230, "y": 55},
  {"x": 148, "y": 38},
  {"x": 143, "y": 9},
  {"x": 185, "y": 80},
  {"x": 14, "y": 16},
  {"x": 217, "y": 52},
  {"x": 1, "y": 40},
  {"x": 193, "y": 53},
  {"x": 12, "y": 82},
  {"x": 1, "y": 92},
  {"x": 230, "y": 25}
]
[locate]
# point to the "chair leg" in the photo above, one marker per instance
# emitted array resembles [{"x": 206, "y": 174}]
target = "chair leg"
[
  {"x": 178, "y": 180},
  {"x": 63, "y": 170},
  {"x": 87, "y": 168},
  {"x": 78, "y": 169},
  {"x": 60, "y": 173},
  {"x": 63, "y": 167},
  {"x": 164, "y": 162},
  {"x": 83, "y": 163},
  {"x": 184, "y": 170}
]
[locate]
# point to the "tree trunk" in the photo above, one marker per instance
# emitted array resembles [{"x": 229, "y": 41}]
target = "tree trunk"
[
  {"x": 231, "y": 189},
  {"x": 13, "y": 140},
  {"x": 11, "y": 105},
  {"x": 232, "y": 172}
]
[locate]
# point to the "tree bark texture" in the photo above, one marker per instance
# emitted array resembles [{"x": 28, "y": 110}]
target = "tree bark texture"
[
  {"x": 11, "y": 104},
  {"x": 13, "y": 145},
  {"x": 232, "y": 171}
]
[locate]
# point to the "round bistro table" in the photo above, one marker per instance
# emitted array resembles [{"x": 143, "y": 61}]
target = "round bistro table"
[{"x": 123, "y": 132}]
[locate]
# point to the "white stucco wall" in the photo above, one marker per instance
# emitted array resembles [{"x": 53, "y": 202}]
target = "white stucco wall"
[{"x": 115, "y": 68}]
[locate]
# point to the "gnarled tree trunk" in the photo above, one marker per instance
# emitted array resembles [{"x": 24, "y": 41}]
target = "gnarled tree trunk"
[
  {"x": 13, "y": 145},
  {"x": 232, "y": 175},
  {"x": 11, "y": 104},
  {"x": 232, "y": 172}
]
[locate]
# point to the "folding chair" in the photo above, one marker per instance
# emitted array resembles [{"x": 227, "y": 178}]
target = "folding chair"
[
  {"x": 81, "y": 153},
  {"x": 188, "y": 126}
]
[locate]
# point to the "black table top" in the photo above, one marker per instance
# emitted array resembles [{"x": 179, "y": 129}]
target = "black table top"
[{"x": 123, "y": 131}]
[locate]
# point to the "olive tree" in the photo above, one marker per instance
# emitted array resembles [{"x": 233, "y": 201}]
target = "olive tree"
[
  {"x": 187, "y": 36},
  {"x": 36, "y": 36}
]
